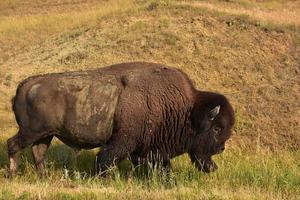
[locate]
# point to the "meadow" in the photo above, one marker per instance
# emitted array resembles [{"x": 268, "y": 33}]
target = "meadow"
[{"x": 247, "y": 50}]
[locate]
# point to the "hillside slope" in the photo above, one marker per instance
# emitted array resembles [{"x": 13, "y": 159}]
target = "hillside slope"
[{"x": 254, "y": 65}]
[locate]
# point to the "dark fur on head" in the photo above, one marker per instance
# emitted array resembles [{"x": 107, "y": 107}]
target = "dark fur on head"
[{"x": 214, "y": 132}]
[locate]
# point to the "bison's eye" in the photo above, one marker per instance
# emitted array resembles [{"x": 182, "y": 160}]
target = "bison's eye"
[{"x": 216, "y": 129}]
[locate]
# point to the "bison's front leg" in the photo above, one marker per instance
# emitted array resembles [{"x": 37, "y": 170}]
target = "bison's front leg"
[
  {"x": 204, "y": 163},
  {"x": 109, "y": 156},
  {"x": 104, "y": 160}
]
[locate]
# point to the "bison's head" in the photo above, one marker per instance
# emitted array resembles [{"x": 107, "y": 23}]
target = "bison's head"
[{"x": 212, "y": 120}]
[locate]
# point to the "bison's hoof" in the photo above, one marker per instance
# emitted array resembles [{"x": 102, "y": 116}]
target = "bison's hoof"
[
  {"x": 213, "y": 167},
  {"x": 11, "y": 174},
  {"x": 209, "y": 166}
]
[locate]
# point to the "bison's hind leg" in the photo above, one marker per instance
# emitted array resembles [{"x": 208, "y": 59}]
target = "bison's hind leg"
[
  {"x": 13, "y": 149},
  {"x": 18, "y": 142},
  {"x": 39, "y": 149}
]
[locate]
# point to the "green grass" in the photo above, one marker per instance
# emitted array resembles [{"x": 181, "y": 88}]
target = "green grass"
[{"x": 241, "y": 175}]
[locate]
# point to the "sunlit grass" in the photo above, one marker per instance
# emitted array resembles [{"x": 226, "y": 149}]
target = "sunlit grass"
[
  {"x": 261, "y": 174},
  {"x": 20, "y": 31},
  {"x": 242, "y": 174},
  {"x": 267, "y": 12},
  {"x": 59, "y": 22}
]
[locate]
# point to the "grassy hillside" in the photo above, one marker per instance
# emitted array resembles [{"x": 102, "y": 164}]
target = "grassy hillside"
[{"x": 247, "y": 50}]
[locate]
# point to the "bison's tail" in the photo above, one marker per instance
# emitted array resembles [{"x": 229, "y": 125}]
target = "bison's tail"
[
  {"x": 19, "y": 104},
  {"x": 17, "y": 111}
]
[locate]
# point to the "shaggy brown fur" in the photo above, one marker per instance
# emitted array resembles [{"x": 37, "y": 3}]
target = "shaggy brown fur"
[{"x": 148, "y": 111}]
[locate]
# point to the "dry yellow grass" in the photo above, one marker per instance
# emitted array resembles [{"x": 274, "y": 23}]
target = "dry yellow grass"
[
  {"x": 46, "y": 191},
  {"x": 30, "y": 7},
  {"x": 20, "y": 31},
  {"x": 281, "y": 14}
]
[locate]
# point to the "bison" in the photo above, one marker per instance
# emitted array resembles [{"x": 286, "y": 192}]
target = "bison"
[{"x": 130, "y": 109}]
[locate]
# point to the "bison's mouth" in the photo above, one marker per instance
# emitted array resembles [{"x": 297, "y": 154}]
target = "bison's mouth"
[{"x": 208, "y": 165}]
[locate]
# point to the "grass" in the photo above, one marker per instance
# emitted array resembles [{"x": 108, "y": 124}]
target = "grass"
[
  {"x": 239, "y": 177},
  {"x": 240, "y": 48},
  {"x": 24, "y": 30}
]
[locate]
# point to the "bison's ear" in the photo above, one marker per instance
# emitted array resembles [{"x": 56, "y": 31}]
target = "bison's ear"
[{"x": 213, "y": 113}]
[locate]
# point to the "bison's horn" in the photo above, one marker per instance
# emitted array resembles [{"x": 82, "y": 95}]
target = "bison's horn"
[{"x": 214, "y": 112}]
